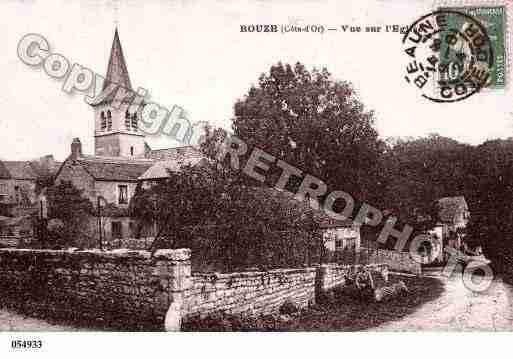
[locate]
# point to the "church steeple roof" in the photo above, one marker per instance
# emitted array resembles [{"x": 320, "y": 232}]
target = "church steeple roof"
[{"x": 117, "y": 71}]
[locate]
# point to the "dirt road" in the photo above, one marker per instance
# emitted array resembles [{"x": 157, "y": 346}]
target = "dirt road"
[
  {"x": 10, "y": 321},
  {"x": 459, "y": 309}
]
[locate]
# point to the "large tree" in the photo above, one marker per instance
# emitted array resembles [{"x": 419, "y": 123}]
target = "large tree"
[
  {"x": 240, "y": 225},
  {"x": 491, "y": 223},
  {"x": 418, "y": 171},
  {"x": 315, "y": 123}
]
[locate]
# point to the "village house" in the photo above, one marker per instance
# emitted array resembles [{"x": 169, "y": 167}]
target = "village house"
[
  {"x": 337, "y": 235},
  {"x": 18, "y": 182},
  {"x": 17, "y": 185},
  {"x": 171, "y": 159},
  {"x": 340, "y": 235},
  {"x": 18, "y": 196},
  {"x": 453, "y": 217}
]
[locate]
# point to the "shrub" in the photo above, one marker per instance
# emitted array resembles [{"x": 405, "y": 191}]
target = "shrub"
[{"x": 289, "y": 307}]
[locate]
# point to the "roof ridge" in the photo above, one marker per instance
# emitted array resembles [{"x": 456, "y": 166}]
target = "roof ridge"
[{"x": 116, "y": 160}]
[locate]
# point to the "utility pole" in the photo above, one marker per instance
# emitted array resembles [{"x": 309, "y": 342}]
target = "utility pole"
[
  {"x": 42, "y": 221},
  {"x": 99, "y": 199}
]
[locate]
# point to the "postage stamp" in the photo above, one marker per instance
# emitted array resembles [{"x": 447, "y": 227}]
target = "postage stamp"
[
  {"x": 450, "y": 56},
  {"x": 495, "y": 16},
  {"x": 493, "y": 19}
]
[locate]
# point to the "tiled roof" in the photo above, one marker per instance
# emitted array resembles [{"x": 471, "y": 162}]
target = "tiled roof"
[
  {"x": 28, "y": 169},
  {"x": 450, "y": 207},
  {"x": 114, "y": 169},
  {"x": 174, "y": 153},
  {"x": 19, "y": 170},
  {"x": 160, "y": 168}
]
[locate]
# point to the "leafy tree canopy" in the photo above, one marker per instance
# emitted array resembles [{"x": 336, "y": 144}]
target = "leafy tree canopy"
[{"x": 313, "y": 122}]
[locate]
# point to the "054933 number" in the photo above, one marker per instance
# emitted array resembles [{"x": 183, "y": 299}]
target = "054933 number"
[{"x": 26, "y": 344}]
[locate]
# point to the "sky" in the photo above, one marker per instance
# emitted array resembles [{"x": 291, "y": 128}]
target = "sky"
[{"x": 193, "y": 54}]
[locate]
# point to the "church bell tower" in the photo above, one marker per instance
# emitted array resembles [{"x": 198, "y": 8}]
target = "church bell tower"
[{"x": 116, "y": 131}]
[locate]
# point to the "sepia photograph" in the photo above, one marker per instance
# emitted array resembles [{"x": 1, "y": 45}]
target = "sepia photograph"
[{"x": 255, "y": 166}]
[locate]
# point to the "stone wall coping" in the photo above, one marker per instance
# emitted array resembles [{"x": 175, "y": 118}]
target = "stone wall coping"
[
  {"x": 344, "y": 266},
  {"x": 181, "y": 254},
  {"x": 92, "y": 254},
  {"x": 281, "y": 271}
]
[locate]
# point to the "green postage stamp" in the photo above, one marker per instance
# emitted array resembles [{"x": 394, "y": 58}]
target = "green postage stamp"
[{"x": 493, "y": 17}]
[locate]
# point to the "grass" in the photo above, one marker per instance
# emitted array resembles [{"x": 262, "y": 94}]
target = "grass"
[{"x": 351, "y": 314}]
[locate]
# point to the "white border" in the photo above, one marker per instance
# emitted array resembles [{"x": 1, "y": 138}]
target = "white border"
[{"x": 262, "y": 345}]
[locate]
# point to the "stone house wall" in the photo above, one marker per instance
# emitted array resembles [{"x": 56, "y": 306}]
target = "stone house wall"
[
  {"x": 93, "y": 188},
  {"x": 340, "y": 238},
  {"x": 396, "y": 261},
  {"x": 110, "y": 191}
]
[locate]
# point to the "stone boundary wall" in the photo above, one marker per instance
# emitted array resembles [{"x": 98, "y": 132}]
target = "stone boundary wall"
[
  {"x": 257, "y": 293},
  {"x": 396, "y": 261},
  {"x": 127, "y": 289},
  {"x": 117, "y": 289},
  {"x": 250, "y": 293},
  {"x": 129, "y": 243}
]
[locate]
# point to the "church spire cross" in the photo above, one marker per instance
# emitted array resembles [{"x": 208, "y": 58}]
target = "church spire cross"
[{"x": 117, "y": 71}]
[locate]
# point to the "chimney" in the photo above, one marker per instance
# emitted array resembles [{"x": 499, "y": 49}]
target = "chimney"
[{"x": 76, "y": 148}]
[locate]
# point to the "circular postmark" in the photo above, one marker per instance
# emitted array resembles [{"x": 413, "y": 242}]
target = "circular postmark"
[{"x": 449, "y": 56}]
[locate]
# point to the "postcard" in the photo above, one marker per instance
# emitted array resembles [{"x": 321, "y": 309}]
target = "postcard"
[{"x": 256, "y": 166}]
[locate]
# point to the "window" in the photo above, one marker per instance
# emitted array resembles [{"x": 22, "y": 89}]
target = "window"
[
  {"x": 3, "y": 192},
  {"x": 351, "y": 243},
  {"x": 116, "y": 230},
  {"x": 131, "y": 150},
  {"x": 103, "y": 125},
  {"x": 17, "y": 194},
  {"x": 339, "y": 243},
  {"x": 127, "y": 120},
  {"x": 134, "y": 122},
  {"x": 123, "y": 194},
  {"x": 109, "y": 121}
]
